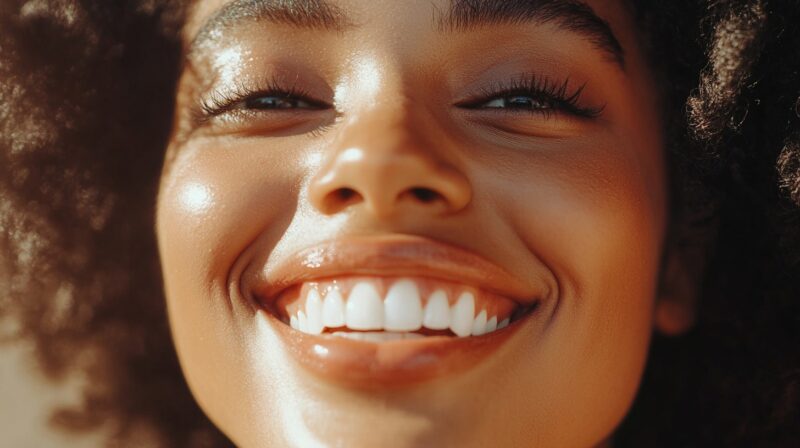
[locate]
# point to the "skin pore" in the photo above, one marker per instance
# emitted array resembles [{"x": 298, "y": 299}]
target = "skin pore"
[{"x": 517, "y": 136}]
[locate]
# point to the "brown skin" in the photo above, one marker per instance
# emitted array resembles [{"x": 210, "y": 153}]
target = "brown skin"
[{"x": 579, "y": 203}]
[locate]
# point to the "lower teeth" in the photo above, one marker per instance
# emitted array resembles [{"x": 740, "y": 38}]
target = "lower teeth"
[{"x": 382, "y": 336}]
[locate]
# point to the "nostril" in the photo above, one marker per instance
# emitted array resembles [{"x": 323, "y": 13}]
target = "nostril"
[
  {"x": 346, "y": 194},
  {"x": 424, "y": 194},
  {"x": 339, "y": 199}
]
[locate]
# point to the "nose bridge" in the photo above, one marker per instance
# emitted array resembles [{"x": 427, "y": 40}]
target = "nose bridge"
[
  {"x": 388, "y": 128},
  {"x": 384, "y": 158}
]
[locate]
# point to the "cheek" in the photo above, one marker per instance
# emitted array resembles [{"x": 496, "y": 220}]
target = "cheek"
[
  {"x": 597, "y": 222},
  {"x": 214, "y": 202},
  {"x": 212, "y": 207}
]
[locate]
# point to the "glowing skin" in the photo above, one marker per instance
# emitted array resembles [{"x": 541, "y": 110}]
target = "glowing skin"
[{"x": 572, "y": 208}]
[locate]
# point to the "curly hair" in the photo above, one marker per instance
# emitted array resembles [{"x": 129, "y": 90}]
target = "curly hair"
[
  {"x": 86, "y": 97},
  {"x": 735, "y": 379},
  {"x": 86, "y": 94}
]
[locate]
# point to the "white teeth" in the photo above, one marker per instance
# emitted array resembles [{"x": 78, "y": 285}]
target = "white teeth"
[
  {"x": 377, "y": 337},
  {"x": 302, "y": 322},
  {"x": 350, "y": 335},
  {"x": 461, "y": 315},
  {"x": 479, "y": 324},
  {"x": 382, "y": 337},
  {"x": 400, "y": 312},
  {"x": 437, "y": 312},
  {"x": 314, "y": 313},
  {"x": 491, "y": 325},
  {"x": 402, "y": 308},
  {"x": 364, "y": 308},
  {"x": 333, "y": 309}
]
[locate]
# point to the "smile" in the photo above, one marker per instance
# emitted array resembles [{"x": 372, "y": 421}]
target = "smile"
[
  {"x": 378, "y": 309},
  {"x": 392, "y": 311}
]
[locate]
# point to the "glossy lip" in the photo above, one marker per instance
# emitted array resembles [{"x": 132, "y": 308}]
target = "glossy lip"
[
  {"x": 393, "y": 256},
  {"x": 388, "y": 365},
  {"x": 392, "y": 364}
]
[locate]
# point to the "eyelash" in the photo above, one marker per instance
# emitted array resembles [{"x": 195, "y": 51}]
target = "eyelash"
[
  {"x": 557, "y": 95},
  {"x": 220, "y": 103}
]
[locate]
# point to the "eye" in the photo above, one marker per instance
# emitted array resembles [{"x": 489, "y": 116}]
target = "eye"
[
  {"x": 533, "y": 94},
  {"x": 267, "y": 98},
  {"x": 271, "y": 102},
  {"x": 522, "y": 102}
]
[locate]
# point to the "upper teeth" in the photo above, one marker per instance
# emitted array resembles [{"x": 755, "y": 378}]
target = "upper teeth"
[{"x": 401, "y": 310}]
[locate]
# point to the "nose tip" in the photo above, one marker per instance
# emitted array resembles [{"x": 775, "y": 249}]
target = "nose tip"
[{"x": 385, "y": 183}]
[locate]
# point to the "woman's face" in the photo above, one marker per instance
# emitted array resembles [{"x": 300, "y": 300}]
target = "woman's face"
[{"x": 412, "y": 176}]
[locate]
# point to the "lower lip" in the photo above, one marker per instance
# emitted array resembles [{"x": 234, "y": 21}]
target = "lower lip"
[{"x": 367, "y": 365}]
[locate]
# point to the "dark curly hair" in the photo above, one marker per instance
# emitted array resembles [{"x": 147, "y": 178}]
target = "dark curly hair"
[{"x": 86, "y": 97}]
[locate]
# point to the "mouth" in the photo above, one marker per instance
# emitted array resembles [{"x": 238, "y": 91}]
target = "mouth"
[
  {"x": 379, "y": 309},
  {"x": 393, "y": 311}
]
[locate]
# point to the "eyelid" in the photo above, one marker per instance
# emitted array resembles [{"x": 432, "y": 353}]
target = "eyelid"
[
  {"x": 565, "y": 98},
  {"x": 224, "y": 101}
]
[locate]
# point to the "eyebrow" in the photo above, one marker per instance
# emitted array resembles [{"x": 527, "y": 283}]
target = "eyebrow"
[
  {"x": 303, "y": 14},
  {"x": 570, "y": 15},
  {"x": 463, "y": 15}
]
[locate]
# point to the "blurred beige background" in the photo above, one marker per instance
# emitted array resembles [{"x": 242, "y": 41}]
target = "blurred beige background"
[{"x": 25, "y": 400}]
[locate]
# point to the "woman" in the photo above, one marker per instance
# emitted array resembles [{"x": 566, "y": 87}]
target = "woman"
[{"x": 523, "y": 163}]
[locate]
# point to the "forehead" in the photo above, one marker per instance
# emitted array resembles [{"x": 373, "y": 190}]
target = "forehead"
[{"x": 596, "y": 21}]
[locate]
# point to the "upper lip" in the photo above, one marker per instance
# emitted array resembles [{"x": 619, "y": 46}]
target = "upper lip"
[{"x": 397, "y": 255}]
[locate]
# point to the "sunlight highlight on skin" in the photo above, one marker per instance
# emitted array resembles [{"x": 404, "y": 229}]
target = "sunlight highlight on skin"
[
  {"x": 228, "y": 63},
  {"x": 351, "y": 155},
  {"x": 365, "y": 82},
  {"x": 196, "y": 198}
]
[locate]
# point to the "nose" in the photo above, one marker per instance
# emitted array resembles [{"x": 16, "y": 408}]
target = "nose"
[{"x": 385, "y": 162}]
